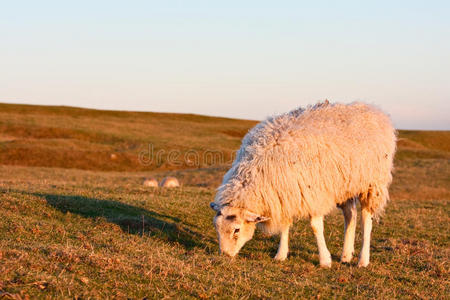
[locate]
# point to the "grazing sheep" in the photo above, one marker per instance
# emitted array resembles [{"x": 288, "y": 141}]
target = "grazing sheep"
[
  {"x": 303, "y": 164},
  {"x": 150, "y": 182},
  {"x": 170, "y": 182}
]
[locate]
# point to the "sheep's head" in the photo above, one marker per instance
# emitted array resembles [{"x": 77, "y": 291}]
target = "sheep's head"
[{"x": 234, "y": 226}]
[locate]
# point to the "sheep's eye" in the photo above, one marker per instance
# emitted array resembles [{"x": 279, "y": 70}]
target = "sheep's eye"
[
  {"x": 231, "y": 218},
  {"x": 236, "y": 231}
]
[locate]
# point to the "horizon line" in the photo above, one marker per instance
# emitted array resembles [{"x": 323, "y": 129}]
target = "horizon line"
[{"x": 168, "y": 112}]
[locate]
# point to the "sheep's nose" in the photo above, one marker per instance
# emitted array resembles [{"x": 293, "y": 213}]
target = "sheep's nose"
[{"x": 226, "y": 253}]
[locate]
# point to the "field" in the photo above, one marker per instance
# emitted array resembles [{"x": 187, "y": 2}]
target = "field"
[{"x": 76, "y": 222}]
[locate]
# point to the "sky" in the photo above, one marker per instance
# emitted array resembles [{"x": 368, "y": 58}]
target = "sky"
[{"x": 241, "y": 59}]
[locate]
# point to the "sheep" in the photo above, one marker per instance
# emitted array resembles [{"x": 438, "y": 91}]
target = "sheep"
[
  {"x": 150, "y": 182},
  {"x": 304, "y": 163},
  {"x": 170, "y": 182}
]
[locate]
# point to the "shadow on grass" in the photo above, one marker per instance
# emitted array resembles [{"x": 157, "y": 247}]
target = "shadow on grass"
[{"x": 131, "y": 219}]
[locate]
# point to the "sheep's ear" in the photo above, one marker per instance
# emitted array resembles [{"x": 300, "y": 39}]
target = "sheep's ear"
[
  {"x": 214, "y": 206},
  {"x": 251, "y": 217}
]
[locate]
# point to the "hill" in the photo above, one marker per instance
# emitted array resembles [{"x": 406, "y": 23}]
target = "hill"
[
  {"x": 89, "y": 139},
  {"x": 67, "y": 137},
  {"x": 76, "y": 221}
]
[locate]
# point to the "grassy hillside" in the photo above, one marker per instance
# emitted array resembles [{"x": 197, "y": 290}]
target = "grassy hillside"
[
  {"x": 76, "y": 221},
  {"x": 109, "y": 140},
  {"x": 89, "y": 139}
]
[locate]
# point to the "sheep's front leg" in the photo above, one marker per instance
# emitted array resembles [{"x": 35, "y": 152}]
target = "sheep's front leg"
[
  {"x": 324, "y": 254},
  {"x": 367, "y": 229},
  {"x": 349, "y": 211},
  {"x": 283, "y": 248}
]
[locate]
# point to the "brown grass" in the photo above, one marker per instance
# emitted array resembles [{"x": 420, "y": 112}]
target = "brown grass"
[
  {"x": 66, "y": 137},
  {"x": 98, "y": 233}
]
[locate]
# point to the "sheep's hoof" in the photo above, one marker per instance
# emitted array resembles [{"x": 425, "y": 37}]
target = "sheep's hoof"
[
  {"x": 280, "y": 257},
  {"x": 346, "y": 258},
  {"x": 325, "y": 263},
  {"x": 363, "y": 263}
]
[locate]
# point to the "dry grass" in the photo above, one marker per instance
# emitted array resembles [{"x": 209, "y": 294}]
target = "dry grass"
[
  {"x": 64, "y": 137},
  {"x": 67, "y": 233},
  {"x": 85, "y": 139}
]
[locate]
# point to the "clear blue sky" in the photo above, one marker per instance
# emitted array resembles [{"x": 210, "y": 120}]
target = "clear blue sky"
[{"x": 245, "y": 59}]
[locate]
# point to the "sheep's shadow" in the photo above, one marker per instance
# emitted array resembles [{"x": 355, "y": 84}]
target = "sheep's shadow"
[{"x": 131, "y": 219}]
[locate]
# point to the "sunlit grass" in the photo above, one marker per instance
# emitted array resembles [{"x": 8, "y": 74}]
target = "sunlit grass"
[
  {"x": 73, "y": 233},
  {"x": 99, "y": 233}
]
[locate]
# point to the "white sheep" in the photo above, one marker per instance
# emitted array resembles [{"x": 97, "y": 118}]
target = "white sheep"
[
  {"x": 303, "y": 164},
  {"x": 170, "y": 182},
  {"x": 150, "y": 182}
]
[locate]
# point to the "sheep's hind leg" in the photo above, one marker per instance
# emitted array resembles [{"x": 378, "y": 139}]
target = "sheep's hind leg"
[
  {"x": 349, "y": 211},
  {"x": 283, "y": 248},
  {"x": 366, "y": 228},
  {"x": 324, "y": 254}
]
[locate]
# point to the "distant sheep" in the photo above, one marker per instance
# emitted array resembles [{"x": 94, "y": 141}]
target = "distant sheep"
[
  {"x": 150, "y": 182},
  {"x": 170, "y": 182},
  {"x": 303, "y": 164}
]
